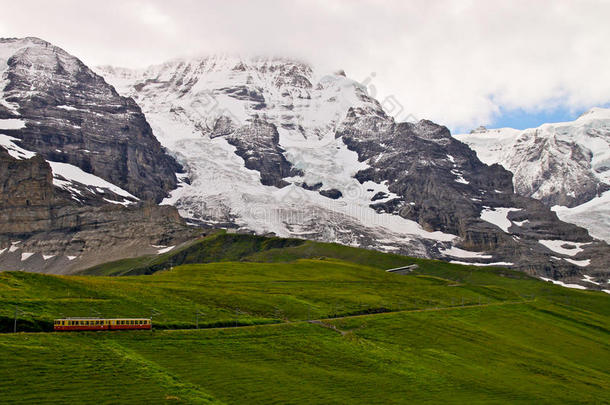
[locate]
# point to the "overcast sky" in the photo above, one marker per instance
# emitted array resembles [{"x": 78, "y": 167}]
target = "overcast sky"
[{"x": 459, "y": 63}]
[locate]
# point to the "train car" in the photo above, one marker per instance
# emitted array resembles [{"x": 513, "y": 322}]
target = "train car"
[{"x": 68, "y": 324}]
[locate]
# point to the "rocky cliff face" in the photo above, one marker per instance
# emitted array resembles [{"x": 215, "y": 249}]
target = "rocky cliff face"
[
  {"x": 45, "y": 229},
  {"x": 69, "y": 114},
  {"x": 339, "y": 169}
]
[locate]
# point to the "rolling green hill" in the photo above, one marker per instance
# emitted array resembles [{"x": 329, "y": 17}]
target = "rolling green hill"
[
  {"x": 223, "y": 247},
  {"x": 329, "y": 325}
]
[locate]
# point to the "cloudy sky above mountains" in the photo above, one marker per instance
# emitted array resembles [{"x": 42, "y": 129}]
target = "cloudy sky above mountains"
[{"x": 459, "y": 63}]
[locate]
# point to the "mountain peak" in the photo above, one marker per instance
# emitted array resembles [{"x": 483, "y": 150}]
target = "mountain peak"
[{"x": 595, "y": 113}]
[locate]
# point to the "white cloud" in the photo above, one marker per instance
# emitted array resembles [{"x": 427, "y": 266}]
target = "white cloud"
[{"x": 455, "y": 62}]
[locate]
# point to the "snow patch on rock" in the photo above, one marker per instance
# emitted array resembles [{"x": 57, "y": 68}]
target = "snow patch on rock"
[
  {"x": 64, "y": 174},
  {"x": 457, "y": 252},
  {"x": 498, "y": 217},
  {"x": 580, "y": 263},
  {"x": 557, "y": 246},
  {"x": 12, "y": 123},
  {"x": 8, "y": 142},
  {"x": 561, "y": 283},
  {"x": 482, "y": 264}
]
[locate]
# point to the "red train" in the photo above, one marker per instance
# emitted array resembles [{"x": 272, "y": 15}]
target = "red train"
[{"x": 101, "y": 324}]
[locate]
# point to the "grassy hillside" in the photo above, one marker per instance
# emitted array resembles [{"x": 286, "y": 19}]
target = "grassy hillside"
[
  {"x": 444, "y": 333},
  {"x": 513, "y": 352},
  {"x": 222, "y": 247},
  {"x": 230, "y": 292}
]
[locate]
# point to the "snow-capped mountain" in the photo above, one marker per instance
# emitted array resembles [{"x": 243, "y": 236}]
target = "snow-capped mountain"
[
  {"x": 272, "y": 145},
  {"x": 566, "y": 165},
  {"x": 268, "y": 145},
  {"x": 258, "y": 139}
]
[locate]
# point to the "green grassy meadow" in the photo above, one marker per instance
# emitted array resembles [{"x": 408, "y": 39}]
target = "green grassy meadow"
[{"x": 444, "y": 333}]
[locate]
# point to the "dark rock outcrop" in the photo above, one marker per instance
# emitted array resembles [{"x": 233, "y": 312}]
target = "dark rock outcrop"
[
  {"x": 258, "y": 144},
  {"x": 331, "y": 193}
]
